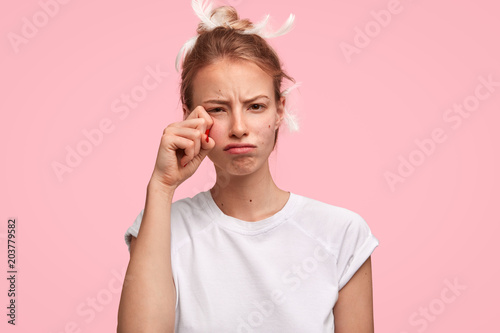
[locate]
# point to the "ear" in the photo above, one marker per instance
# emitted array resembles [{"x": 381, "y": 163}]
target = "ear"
[
  {"x": 185, "y": 111},
  {"x": 280, "y": 111}
]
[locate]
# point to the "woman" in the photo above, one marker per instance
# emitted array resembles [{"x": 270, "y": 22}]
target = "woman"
[{"x": 245, "y": 256}]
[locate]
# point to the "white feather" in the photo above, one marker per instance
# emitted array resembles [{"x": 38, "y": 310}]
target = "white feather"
[
  {"x": 291, "y": 121},
  {"x": 287, "y": 90},
  {"x": 258, "y": 27},
  {"x": 285, "y": 28},
  {"x": 203, "y": 9},
  {"x": 290, "y": 118},
  {"x": 188, "y": 46}
]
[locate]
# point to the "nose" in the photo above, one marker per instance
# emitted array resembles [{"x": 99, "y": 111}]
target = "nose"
[{"x": 238, "y": 126}]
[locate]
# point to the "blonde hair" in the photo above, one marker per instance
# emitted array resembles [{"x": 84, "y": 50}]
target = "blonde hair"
[{"x": 228, "y": 37}]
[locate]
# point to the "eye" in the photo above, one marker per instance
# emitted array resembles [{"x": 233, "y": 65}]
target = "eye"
[
  {"x": 260, "y": 107},
  {"x": 215, "y": 110}
]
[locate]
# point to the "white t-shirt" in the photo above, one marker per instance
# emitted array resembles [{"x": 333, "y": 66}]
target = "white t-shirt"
[{"x": 280, "y": 274}]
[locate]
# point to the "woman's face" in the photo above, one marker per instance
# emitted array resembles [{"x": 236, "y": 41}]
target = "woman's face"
[{"x": 239, "y": 97}]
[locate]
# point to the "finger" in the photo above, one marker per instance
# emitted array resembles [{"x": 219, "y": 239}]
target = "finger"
[
  {"x": 206, "y": 148},
  {"x": 192, "y": 123},
  {"x": 205, "y": 119},
  {"x": 192, "y": 134},
  {"x": 187, "y": 145},
  {"x": 204, "y": 129},
  {"x": 200, "y": 112},
  {"x": 207, "y": 142},
  {"x": 201, "y": 146}
]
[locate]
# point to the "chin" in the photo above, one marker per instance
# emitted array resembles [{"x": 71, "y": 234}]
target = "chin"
[
  {"x": 239, "y": 167},
  {"x": 240, "y": 171}
]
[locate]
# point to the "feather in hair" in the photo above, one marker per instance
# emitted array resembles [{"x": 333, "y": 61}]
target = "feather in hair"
[
  {"x": 258, "y": 27},
  {"x": 287, "y": 90},
  {"x": 188, "y": 46},
  {"x": 285, "y": 28},
  {"x": 290, "y": 119},
  {"x": 203, "y": 9}
]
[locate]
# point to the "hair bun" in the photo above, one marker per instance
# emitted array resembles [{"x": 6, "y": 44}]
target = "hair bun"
[{"x": 225, "y": 16}]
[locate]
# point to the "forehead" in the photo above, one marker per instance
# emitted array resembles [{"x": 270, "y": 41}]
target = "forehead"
[{"x": 228, "y": 78}]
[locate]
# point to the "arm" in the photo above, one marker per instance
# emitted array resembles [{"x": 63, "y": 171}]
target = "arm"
[
  {"x": 148, "y": 297},
  {"x": 353, "y": 311}
]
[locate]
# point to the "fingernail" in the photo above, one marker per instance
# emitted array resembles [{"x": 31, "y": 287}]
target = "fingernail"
[
  {"x": 185, "y": 165},
  {"x": 207, "y": 132}
]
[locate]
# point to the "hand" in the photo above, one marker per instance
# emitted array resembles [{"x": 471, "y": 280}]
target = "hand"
[{"x": 182, "y": 149}]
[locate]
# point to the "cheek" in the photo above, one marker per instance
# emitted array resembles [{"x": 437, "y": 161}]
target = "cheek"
[
  {"x": 266, "y": 134},
  {"x": 216, "y": 130}
]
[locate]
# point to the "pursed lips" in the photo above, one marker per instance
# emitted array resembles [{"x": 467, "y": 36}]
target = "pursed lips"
[{"x": 239, "y": 145}]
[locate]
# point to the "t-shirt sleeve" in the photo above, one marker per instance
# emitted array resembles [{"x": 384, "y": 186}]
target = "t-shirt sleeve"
[
  {"x": 357, "y": 245},
  {"x": 133, "y": 230}
]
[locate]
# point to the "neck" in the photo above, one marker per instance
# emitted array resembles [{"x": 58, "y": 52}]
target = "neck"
[{"x": 250, "y": 197}]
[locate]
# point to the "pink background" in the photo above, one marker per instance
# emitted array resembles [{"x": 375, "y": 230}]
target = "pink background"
[{"x": 359, "y": 115}]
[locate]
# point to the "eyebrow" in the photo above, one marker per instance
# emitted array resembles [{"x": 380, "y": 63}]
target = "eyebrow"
[{"x": 224, "y": 102}]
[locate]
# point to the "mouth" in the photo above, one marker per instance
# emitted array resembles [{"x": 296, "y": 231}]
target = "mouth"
[{"x": 239, "y": 148}]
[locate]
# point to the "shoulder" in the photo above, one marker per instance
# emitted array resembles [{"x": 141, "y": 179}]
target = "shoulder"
[
  {"x": 320, "y": 212},
  {"x": 190, "y": 205},
  {"x": 341, "y": 231},
  {"x": 189, "y": 216},
  {"x": 330, "y": 223},
  {"x": 182, "y": 208}
]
